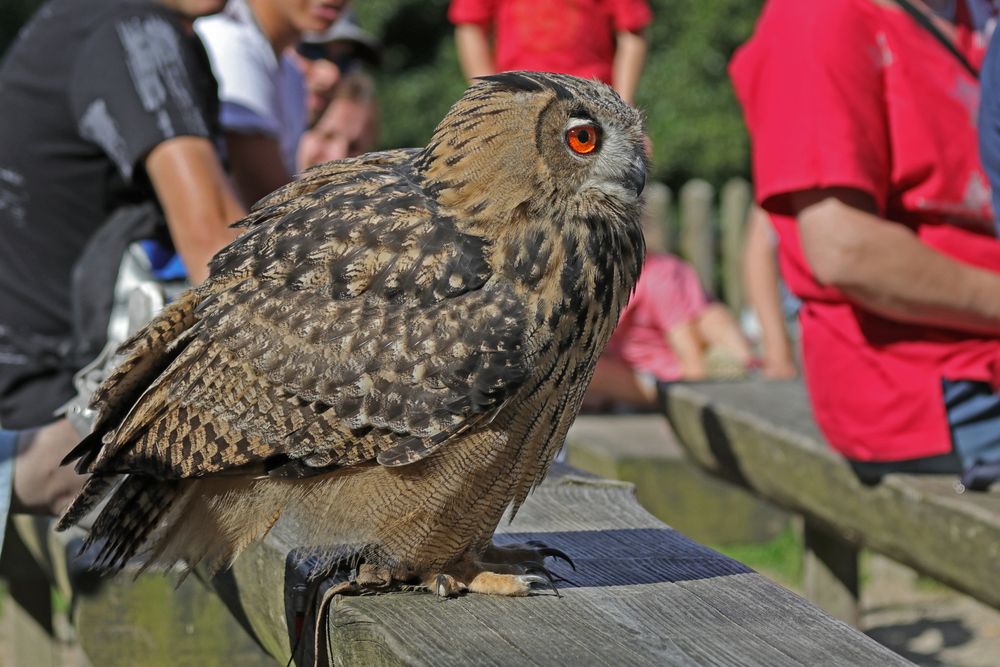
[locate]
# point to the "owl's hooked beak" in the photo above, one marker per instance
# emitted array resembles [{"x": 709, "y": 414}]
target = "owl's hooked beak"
[{"x": 635, "y": 179}]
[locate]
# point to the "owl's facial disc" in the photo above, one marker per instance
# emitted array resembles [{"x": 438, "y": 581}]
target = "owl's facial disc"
[{"x": 618, "y": 163}]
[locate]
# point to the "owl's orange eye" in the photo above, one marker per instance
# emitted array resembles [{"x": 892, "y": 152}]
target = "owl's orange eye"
[{"x": 582, "y": 139}]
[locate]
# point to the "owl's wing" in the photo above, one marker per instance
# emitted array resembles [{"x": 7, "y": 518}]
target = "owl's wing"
[
  {"x": 355, "y": 323},
  {"x": 286, "y": 198}
]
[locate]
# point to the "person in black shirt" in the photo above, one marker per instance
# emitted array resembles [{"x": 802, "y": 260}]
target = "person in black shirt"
[{"x": 103, "y": 105}]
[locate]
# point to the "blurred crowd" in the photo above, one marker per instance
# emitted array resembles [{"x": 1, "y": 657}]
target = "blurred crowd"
[{"x": 158, "y": 123}]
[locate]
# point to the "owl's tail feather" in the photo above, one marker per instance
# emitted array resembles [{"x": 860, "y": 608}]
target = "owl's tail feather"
[
  {"x": 132, "y": 514},
  {"x": 93, "y": 491}
]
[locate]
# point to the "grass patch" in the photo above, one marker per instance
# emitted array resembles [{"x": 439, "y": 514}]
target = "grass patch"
[
  {"x": 60, "y": 603},
  {"x": 779, "y": 559}
]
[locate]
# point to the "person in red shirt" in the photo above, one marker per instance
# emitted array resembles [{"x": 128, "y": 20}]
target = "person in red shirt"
[
  {"x": 864, "y": 153},
  {"x": 600, "y": 39}
]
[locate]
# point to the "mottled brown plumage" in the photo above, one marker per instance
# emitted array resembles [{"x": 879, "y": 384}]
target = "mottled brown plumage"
[{"x": 395, "y": 348}]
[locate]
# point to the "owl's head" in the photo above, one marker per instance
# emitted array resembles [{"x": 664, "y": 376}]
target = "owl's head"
[{"x": 523, "y": 140}]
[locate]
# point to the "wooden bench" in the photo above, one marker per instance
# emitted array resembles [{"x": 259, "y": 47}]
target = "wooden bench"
[
  {"x": 643, "y": 594},
  {"x": 761, "y": 436},
  {"x": 118, "y": 620},
  {"x": 642, "y": 449}
]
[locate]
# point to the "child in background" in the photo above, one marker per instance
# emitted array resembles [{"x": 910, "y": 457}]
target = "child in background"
[
  {"x": 347, "y": 127},
  {"x": 669, "y": 331},
  {"x": 602, "y": 39}
]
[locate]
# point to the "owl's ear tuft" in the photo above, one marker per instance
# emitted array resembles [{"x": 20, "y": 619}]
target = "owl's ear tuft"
[
  {"x": 515, "y": 81},
  {"x": 532, "y": 82}
]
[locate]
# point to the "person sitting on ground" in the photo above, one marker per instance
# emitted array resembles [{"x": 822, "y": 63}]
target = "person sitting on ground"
[
  {"x": 669, "y": 331},
  {"x": 261, "y": 88},
  {"x": 602, "y": 39},
  {"x": 862, "y": 119}
]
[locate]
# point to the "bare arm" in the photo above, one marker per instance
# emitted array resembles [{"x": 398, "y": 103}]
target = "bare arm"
[
  {"x": 760, "y": 283},
  {"x": 689, "y": 348},
  {"x": 616, "y": 381},
  {"x": 257, "y": 164},
  {"x": 717, "y": 328},
  {"x": 474, "y": 53},
  {"x": 197, "y": 199},
  {"x": 630, "y": 57},
  {"x": 884, "y": 267}
]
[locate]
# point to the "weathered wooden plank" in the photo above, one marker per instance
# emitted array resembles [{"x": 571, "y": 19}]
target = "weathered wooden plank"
[
  {"x": 734, "y": 204},
  {"x": 124, "y": 621},
  {"x": 642, "y": 594},
  {"x": 657, "y": 221},
  {"x": 642, "y": 450},
  {"x": 762, "y": 435},
  {"x": 152, "y": 622},
  {"x": 697, "y": 229}
]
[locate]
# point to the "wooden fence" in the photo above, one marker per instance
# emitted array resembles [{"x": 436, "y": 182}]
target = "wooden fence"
[{"x": 704, "y": 229}]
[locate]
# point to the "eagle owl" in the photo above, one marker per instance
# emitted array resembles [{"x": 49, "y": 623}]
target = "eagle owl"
[{"x": 395, "y": 347}]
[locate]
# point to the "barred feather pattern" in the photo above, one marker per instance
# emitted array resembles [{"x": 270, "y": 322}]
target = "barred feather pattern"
[{"x": 390, "y": 356}]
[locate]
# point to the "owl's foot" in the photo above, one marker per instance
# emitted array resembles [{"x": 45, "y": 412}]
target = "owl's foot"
[
  {"x": 530, "y": 552},
  {"x": 368, "y": 578},
  {"x": 509, "y": 579}
]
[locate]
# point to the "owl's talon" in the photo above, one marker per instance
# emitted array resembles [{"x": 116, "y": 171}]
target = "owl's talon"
[
  {"x": 557, "y": 553},
  {"x": 541, "y": 571},
  {"x": 532, "y": 552},
  {"x": 446, "y": 586},
  {"x": 530, "y": 580},
  {"x": 546, "y": 550}
]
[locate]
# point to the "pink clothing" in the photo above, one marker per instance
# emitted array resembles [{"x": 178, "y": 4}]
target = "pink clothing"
[
  {"x": 566, "y": 36},
  {"x": 667, "y": 295},
  {"x": 854, "y": 93}
]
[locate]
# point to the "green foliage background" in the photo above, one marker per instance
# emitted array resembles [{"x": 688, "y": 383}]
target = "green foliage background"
[{"x": 692, "y": 117}]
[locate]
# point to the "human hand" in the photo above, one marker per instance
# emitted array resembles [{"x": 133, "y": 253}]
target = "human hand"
[
  {"x": 41, "y": 484},
  {"x": 778, "y": 369}
]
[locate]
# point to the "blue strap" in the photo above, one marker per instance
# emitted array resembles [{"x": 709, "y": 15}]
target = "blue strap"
[{"x": 165, "y": 261}]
